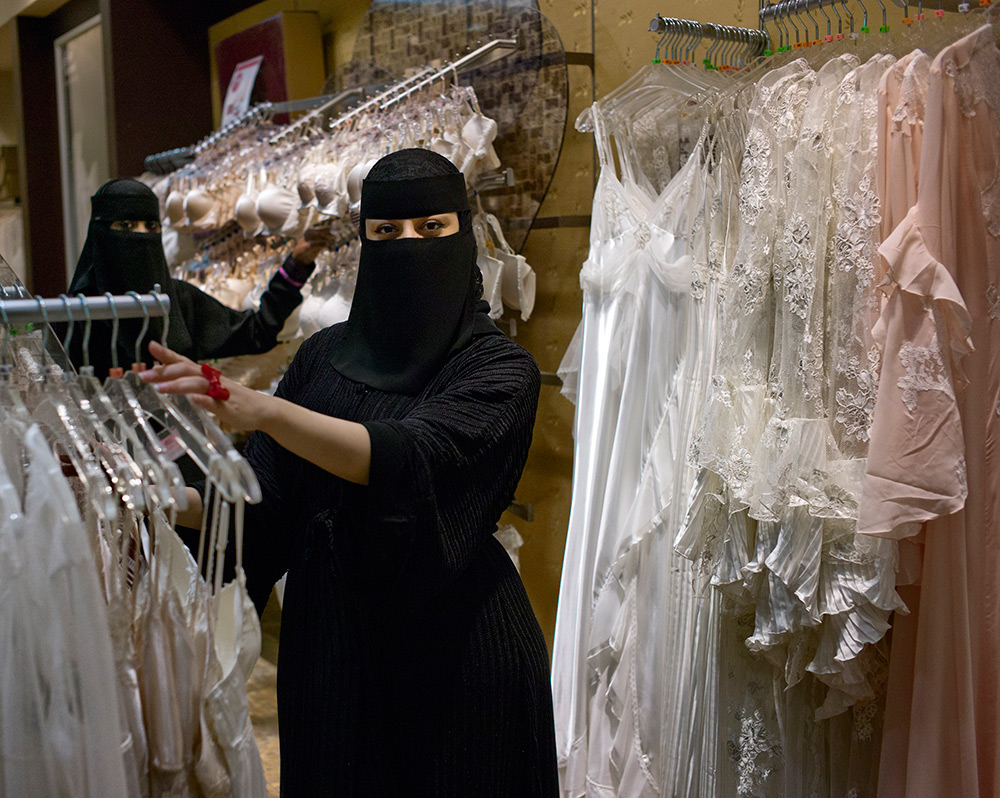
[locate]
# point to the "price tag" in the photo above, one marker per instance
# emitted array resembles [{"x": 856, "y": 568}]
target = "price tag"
[{"x": 239, "y": 90}]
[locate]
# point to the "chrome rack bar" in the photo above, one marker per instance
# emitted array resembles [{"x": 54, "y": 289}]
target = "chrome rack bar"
[
  {"x": 468, "y": 61},
  {"x": 169, "y": 160},
  {"x": 358, "y": 109},
  {"x": 95, "y": 308},
  {"x": 708, "y": 30},
  {"x": 933, "y": 5},
  {"x": 784, "y": 7},
  {"x": 406, "y": 87}
]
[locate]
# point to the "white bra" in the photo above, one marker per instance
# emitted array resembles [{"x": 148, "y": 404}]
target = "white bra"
[
  {"x": 201, "y": 209},
  {"x": 518, "y": 288},
  {"x": 246, "y": 209},
  {"x": 307, "y": 186},
  {"x": 329, "y": 185},
  {"x": 175, "y": 207},
  {"x": 275, "y": 207}
]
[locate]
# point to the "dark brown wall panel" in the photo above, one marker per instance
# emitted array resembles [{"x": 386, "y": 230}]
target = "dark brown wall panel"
[
  {"x": 158, "y": 80},
  {"x": 35, "y": 87},
  {"x": 35, "y": 82}
]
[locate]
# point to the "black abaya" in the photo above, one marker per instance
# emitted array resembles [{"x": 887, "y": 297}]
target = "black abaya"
[{"x": 410, "y": 662}]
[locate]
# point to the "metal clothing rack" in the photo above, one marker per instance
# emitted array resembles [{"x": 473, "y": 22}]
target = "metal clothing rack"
[
  {"x": 23, "y": 309},
  {"x": 406, "y": 87},
  {"x": 770, "y": 10},
  {"x": 167, "y": 161},
  {"x": 691, "y": 33},
  {"x": 783, "y": 9},
  {"x": 316, "y": 113}
]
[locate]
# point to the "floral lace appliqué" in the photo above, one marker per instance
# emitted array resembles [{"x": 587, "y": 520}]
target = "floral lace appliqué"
[
  {"x": 754, "y": 186},
  {"x": 750, "y": 282},
  {"x": 853, "y": 240},
  {"x": 854, "y": 410},
  {"x": 750, "y": 373},
  {"x": 745, "y": 750},
  {"x": 799, "y": 280},
  {"x": 973, "y": 85},
  {"x": 925, "y": 371},
  {"x": 993, "y": 297}
]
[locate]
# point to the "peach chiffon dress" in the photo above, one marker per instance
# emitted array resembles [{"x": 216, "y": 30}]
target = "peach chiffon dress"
[{"x": 933, "y": 476}]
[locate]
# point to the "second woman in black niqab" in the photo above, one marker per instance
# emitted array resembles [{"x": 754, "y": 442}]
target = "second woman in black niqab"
[{"x": 116, "y": 258}]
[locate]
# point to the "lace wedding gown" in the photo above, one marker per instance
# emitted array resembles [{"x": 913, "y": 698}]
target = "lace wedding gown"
[{"x": 773, "y": 520}]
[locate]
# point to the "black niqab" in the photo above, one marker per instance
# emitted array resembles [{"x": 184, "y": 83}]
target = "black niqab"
[
  {"x": 118, "y": 261},
  {"x": 417, "y": 300}
]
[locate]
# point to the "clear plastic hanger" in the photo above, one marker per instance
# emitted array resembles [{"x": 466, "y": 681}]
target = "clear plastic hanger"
[
  {"x": 193, "y": 429},
  {"x": 669, "y": 91},
  {"x": 14, "y": 416},
  {"x": 161, "y": 477},
  {"x": 10, "y": 399},
  {"x": 653, "y": 78},
  {"x": 949, "y": 28},
  {"x": 127, "y": 407},
  {"x": 59, "y": 419},
  {"x": 178, "y": 436},
  {"x": 122, "y": 471}
]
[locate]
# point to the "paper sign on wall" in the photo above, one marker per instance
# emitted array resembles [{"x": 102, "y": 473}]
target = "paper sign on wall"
[{"x": 239, "y": 90}]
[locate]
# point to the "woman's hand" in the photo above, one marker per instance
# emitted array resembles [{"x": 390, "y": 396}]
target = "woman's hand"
[
  {"x": 341, "y": 447},
  {"x": 245, "y": 410},
  {"x": 313, "y": 241}
]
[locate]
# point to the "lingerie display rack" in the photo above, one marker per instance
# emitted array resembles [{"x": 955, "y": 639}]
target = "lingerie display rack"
[{"x": 384, "y": 96}]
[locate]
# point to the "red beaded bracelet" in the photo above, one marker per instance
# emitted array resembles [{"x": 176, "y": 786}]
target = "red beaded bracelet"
[{"x": 215, "y": 389}]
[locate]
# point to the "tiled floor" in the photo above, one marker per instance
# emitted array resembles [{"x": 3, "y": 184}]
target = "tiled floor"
[
  {"x": 264, "y": 714},
  {"x": 263, "y": 698}
]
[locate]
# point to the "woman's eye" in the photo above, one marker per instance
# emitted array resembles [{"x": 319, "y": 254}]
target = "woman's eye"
[
  {"x": 154, "y": 227},
  {"x": 385, "y": 229}
]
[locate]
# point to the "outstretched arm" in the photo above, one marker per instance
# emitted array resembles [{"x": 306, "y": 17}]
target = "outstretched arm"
[{"x": 340, "y": 447}]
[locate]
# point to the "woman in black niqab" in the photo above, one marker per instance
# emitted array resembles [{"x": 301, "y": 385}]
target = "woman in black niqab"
[
  {"x": 118, "y": 258},
  {"x": 418, "y": 299},
  {"x": 411, "y": 660}
]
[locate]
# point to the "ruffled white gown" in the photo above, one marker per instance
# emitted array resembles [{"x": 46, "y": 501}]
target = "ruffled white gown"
[{"x": 634, "y": 661}]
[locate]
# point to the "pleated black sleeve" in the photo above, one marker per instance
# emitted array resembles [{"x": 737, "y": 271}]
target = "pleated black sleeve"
[
  {"x": 266, "y": 536},
  {"x": 221, "y": 331},
  {"x": 442, "y": 475}
]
